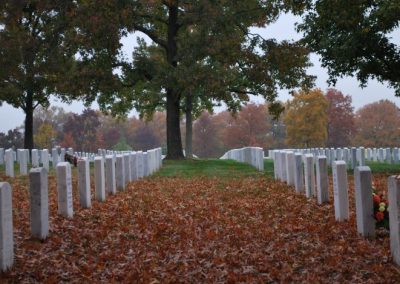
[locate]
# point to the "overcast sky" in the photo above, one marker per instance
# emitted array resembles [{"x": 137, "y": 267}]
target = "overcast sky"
[{"x": 283, "y": 29}]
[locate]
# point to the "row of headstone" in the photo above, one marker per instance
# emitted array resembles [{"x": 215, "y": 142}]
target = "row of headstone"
[
  {"x": 111, "y": 173},
  {"x": 42, "y": 158},
  {"x": 310, "y": 177},
  {"x": 253, "y": 156},
  {"x": 352, "y": 156}
]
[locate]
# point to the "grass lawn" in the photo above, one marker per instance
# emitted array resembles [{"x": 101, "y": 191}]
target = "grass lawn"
[{"x": 207, "y": 168}]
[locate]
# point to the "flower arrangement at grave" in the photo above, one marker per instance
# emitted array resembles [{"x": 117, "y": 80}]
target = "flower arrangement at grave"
[{"x": 381, "y": 213}]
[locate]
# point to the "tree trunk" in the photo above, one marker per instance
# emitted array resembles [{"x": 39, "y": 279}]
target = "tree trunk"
[
  {"x": 28, "y": 138},
  {"x": 189, "y": 127},
  {"x": 174, "y": 141}
]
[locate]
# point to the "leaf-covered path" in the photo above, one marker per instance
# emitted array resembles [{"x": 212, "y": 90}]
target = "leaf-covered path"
[{"x": 203, "y": 229}]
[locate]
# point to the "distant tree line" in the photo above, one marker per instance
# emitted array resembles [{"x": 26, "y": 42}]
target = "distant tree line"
[{"x": 310, "y": 119}]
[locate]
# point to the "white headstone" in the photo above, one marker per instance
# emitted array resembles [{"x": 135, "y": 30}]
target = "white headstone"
[
  {"x": 396, "y": 155},
  {"x": 1, "y": 156},
  {"x": 380, "y": 155},
  {"x": 134, "y": 169},
  {"x": 39, "y": 202},
  {"x": 35, "y": 158},
  {"x": 353, "y": 158},
  {"x": 290, "y": 165},
  {"x": 394, "y": 217},
  {"x": 84, "y": 183},
  {"x": 54, "y": 156},
  {"x": 64, "y": 189},
  {"x": 340, "y": 190},
  {"x": 110, "y": 183},
  {"x": 322, "y": 180},
  {"x": 298, "y": 176},
  {"x": 283, "y": 166},
  {"x": 127, "y": 165},
  {"x": 9, "y": 163},
  {"x": 62, "y": 155},
  {"x": 99, "y": 180},
  {"x": 309, "y": 175},
  {"x": 274, "y": 155},
  {"x": 23, "y": 161},
  {"x": 6, "y": 227},
  {"x": 45, "y": 159},
  {"x": 139, "y": 163},
  {"x": 120, "y": 173},
  {"x": 362, "y": 156},
  {"x": 388, "y": 156},
  {"x": 364, "y": 203},
  {"x": 145, "y": 165}
]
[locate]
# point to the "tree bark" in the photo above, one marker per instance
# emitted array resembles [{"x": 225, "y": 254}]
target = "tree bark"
[
  {"x": 174, "y": 141},
  {"x": 28, "y": 137},
  {"x": 189, "y": 127}
]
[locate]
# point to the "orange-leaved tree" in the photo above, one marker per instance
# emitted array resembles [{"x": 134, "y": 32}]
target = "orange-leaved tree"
[
  {"x": 377, "y": 124},
  {"x": 248, "y": 128},
  {"x": 306, "y": 119},
  {"x": 340, "y": 119}
]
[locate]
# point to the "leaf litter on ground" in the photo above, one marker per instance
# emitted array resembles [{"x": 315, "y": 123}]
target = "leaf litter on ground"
[{"x": 172, "y": 229}]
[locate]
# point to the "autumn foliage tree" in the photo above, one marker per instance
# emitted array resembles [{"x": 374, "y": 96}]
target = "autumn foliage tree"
[
  {"x": 84, "y": 129},
  {"x": 45, "y": 136},
  {"x": 378, "y": 125},
  {"x": 36, "y": 60},
  {"x": 248, "y": 128},
  {"x": 306, "y": 119},
  {"x": 340, "y": 119},
  {"x": 205, "y": 137}
]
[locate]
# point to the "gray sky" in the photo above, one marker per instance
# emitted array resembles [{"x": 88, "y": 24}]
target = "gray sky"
[{"x": 283, "y": 29}]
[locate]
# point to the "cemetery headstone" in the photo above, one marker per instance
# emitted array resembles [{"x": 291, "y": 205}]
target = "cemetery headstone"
[
  {"x": 299, "y": 176},
  {"x": 1, "y": 156},
  {"x": 340, "y": 191},
  {"x": 6, "y": 231},
  {"x": 64, "y": 189},
  {"x": 364, "y": 203},
  {"x": 394, "y": 217},
  {"x": 39, "y": 202},
  {"x": 127, "y": 165},
  {"x": 9, "y": 163},
  {"x": 45, "y": 159},
  {"x": 353, "y": 158},
  {"x": 99, "y": 180},
  {"x": 23, "y": 161},
  {"x": 120, "y": 173},
  {"x": 322, "y": 180},
  {"x": 54, "y": 156},
  {"x": 134, "y": 169},
  {"x": 35, "y": 158},
  {"x": 110, "y": 183},
  {"x": 388, "y": 156},
  {"x": 84, "y": 183},
  {"x": 309, "y": 175},
  {"x": 290, "y": 167}
]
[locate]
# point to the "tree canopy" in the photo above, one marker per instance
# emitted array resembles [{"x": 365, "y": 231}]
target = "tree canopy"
[
  {"x": 306, "y": 119},
  {"x": 205, "y": 49},
  {"x": 355, "y": 37},
  {"x": 37, "y": 57}
]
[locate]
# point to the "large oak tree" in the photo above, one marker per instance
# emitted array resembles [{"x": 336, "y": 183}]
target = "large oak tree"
[{"x": 204, "y": 48}]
